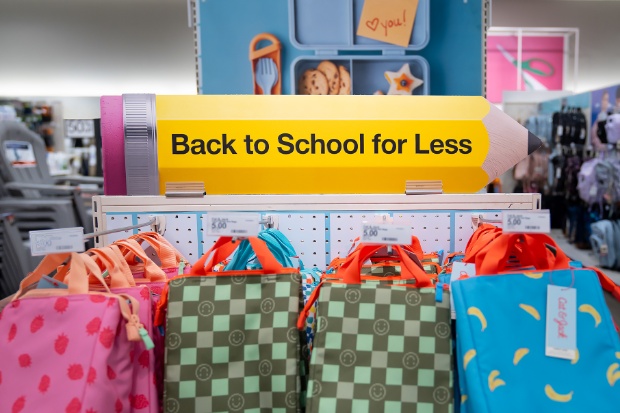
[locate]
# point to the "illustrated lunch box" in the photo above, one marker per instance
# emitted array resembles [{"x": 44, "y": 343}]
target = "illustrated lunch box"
[{"x": 330, "y": 29}]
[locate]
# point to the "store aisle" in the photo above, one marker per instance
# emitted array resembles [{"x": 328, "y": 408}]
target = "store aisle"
[{"x": 587, "y": 257}]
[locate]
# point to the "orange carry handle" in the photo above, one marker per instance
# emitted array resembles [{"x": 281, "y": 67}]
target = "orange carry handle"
[{"x": 530, "y": 249}]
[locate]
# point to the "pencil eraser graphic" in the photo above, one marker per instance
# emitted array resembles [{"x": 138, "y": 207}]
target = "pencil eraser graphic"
[
  {"x": 113, "y": 145},
  {"x": 533, "y": 142}
]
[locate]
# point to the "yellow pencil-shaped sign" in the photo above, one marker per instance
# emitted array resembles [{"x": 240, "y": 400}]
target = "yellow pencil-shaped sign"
[{"x": 238, "y": 144}]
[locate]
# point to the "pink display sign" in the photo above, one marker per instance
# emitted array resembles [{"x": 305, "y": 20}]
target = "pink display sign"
[{"x": 543, "y": 64}]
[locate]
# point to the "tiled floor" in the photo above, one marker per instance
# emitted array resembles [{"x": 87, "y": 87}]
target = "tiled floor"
[{"x": 587, "y": 257}]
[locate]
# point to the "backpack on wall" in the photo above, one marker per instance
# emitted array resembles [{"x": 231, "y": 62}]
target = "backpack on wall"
[
  {"x": 587, "y": 183},
  {"x": 612, "y": 128},
  {"x": 604, "y": 243}
]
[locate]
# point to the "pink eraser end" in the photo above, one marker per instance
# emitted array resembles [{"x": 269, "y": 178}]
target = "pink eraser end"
[{"x": 113, "y": 145}]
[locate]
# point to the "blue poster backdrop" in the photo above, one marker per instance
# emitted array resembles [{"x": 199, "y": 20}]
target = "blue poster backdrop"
[{"x": 226, "y": 27}]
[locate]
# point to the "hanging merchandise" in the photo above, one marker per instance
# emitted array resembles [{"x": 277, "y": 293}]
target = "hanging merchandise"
[
  {"x": 70, "y": 348},
  {"x": 380, "y": 346},
  {"x": 231, "y": 341},
  {"x": 612, "y": 128},
  {"x": 563, "y": 329},
  {"x": 541, "y": 126}
]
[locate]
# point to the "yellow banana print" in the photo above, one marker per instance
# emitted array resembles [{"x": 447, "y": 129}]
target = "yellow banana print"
[
  {"x": 576, "y": 359},
  {"x": 475, "y": 311},
  {"x": 556, "y": 397},
  {"x": 494, "y": 382},
  {"x": 587, "y": 308},
  {"x": 467, "y": 358},
  {"x": 530, "y": 310},
  {"x": 613, "y": 375},
  {"x": 534, "y": 275},
  {"x": 519, "y": 354},
  {"x": 463, "y": 398},
  {"x": 618, "y": 355}
]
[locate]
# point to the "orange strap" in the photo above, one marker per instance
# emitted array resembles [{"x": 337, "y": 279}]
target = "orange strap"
[
  {"x": 110, "y": 258},
  {"x": 350, "y": 272},
  {"x": 484, "y": 235},
  {"x": 77, "y": 284},
  {"x": 530, "y": 249},
  {"x": 607, "y": 283},
  {"x": 201, "y": 267},
  {"x": 49, "y": 264},
  {"x": 165, "y": 251},
  {"x": 131, "y": 250}
]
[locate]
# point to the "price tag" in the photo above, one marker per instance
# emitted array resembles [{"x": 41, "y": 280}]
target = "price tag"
[
  {"x": 537, "y": 222},
  {"x": 389, "y": 234},
  {"x": 54, "y": 241},
  {"x": 561, "y": 328},
  {"x": 560, "y": 130},
  {"x": 233, "y": 225},
  {"x": 460, "y": 270},
  {"x": 80, "y": 128}
]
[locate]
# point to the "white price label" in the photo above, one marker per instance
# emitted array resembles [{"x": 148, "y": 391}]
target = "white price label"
[
  {"x": 233, "y": 225},
  {"x": 460, "y": 270},
  {"x": 389, "y": 234},
  {"x": 55, "y": 241},
  {"x": 537, "y": 222}
]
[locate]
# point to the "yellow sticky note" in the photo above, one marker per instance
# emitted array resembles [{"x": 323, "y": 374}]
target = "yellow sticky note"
[{"x": 389, "y": 21}]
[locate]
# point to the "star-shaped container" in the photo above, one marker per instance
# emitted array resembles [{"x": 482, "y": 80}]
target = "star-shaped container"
[{"x": 402, "y": 82}]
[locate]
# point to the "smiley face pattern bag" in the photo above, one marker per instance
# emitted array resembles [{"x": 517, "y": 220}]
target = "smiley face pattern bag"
[
  {"x": 381, "y": 347},
  {"x": 231, "y": 337}
]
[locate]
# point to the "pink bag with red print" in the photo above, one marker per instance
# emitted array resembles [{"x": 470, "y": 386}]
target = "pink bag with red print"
[
  {"x": 151, "y": 277},
  {"x": 66, "y": 350},
  {"x": 144, "y": 394}
]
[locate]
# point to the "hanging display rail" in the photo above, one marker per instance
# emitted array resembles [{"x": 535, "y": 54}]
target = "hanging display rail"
[{"x": 320, "y": 227}]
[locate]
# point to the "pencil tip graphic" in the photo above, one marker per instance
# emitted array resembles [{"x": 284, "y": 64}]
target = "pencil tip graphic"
[{"x": 533, "y": 142}]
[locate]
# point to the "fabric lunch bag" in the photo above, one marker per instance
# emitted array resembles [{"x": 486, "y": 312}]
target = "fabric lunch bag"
[
  {"x": 67, "y": 349},
  {"x": 231, "y": 337},
  {"x": 380, "y": 347},
  {"x": 501, "y": 334}
]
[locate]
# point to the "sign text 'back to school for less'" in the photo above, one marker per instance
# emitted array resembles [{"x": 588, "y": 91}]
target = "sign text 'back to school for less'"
[{"x": 287, "y": 144}]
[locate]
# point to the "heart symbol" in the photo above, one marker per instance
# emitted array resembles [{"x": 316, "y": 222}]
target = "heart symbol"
[{"x": 372, "y": 25}]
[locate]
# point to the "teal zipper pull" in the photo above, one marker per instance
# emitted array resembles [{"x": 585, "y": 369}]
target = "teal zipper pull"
[
  {"x": 181, "y": 267},
  {"x": 148, "y": 342}
]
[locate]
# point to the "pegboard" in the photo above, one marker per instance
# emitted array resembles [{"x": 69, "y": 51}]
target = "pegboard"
[
  {"x": 307, "y": 234},
  {"x": 118, "y": 221},
  {"x": 320, "y": 227},
  {"x": 344, "y": 228},
  {"x": 463, "y": 228},
  {"x": 432, "y": 228},
  {"x": 181, "y": 230}
]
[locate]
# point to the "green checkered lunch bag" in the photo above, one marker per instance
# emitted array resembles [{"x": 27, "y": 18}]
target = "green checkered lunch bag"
[
  {"x": 381, "y": 347},
  {"x": 231, "y": 340}
]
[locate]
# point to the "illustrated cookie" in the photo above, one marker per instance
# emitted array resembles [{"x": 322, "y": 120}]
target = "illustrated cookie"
[
  {"x": 332, "y": 74},
  {"x": 313, "y": 82},
  {"x": 345, "y": 81}
]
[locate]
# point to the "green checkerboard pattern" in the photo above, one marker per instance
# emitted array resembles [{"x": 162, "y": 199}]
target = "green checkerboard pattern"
[
  {"x": 232, "y": 344},
  {"x": 381, "y": 348}
]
